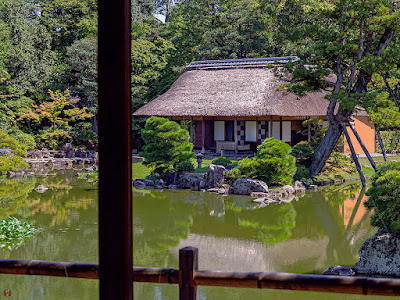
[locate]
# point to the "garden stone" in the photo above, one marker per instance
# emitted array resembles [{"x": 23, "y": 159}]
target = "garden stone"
[
  {"x": 69, "y": 150},
  {"x": 154, "y": 176},
  {"x": 245, "y": 186},
  {"x": 380, "y": 254},
  {"x": 41, "y": 188},
  {"x": 259, "y": 194},
  {"x": 159, "y": 184},
  {"x": 37, "y": 154},
  {"x": 340, "y": 270},
  {"x": 149, "y": 182},
  {"x": 215, "y": 176},
  {"x": 259, "y": 200},
  {"x": 45, "y": 153},
  {"x": 298, "y": 185},
  {"x": 60, "y": 154},
  {"x": 313, "y": 187},
  {"x": 194, "y": 181},
  {"x": 288, "y": 189},
  {"x": 172, "y": 187},
  {"x": 81, "y": 153},
  {"x": 139, "y": 182}
]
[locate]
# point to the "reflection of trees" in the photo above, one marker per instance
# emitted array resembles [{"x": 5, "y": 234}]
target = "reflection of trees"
[
  {"x": 161, "y": 222},
  {"x": 273, "y": 224},
  {"x": 61, "y": 201},
  {"x": 14, "y": 194}
]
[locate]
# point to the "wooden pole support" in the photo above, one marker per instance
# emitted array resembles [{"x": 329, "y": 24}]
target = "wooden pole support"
[
  {"x": 188, "y": 264},
  {"x": 371, "y": 161},
  {"x": 378, "y": 134},
  {"x": 354, "y": 155}
]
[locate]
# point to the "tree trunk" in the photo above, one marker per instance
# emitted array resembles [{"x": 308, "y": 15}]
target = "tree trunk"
[{"x": 325, "y": 148}]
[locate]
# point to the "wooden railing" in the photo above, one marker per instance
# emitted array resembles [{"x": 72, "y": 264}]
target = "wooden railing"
[{"x": 188, "y": 277}]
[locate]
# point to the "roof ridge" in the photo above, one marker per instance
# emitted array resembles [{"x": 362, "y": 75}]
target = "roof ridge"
[{"x": 242, "y": 62}]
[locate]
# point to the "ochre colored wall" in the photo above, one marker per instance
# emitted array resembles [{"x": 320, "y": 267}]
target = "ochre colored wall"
[{"x": 366, "y": 130}]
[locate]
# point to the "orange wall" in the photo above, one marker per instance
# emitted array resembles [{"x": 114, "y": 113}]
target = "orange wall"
[{"x": 366, "y": 130}]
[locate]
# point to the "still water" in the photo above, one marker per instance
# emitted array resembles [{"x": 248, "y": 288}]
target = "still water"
[{"x": 306, "y": 236}]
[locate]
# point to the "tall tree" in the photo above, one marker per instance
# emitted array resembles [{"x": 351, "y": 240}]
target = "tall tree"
[{"x": 354, "y": 40}]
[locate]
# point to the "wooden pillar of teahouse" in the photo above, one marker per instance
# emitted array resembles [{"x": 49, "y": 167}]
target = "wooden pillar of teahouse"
[
  {"x": 309, "y": 133},
  {"x": 236, "y": 137},
  {"x": 270, "y": 127},
  {"x": 203, "y": 133},
  {"x": 257, "y": 131},
  {"x": 191, "y": 130},
  {"x": 280, "y": 129}
]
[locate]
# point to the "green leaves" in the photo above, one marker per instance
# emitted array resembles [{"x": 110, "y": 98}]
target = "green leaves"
[
  {"x": 13, "y": 233},
  {"x": 166, "y": 144}
]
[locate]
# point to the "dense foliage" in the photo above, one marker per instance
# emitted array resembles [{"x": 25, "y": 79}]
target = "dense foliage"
[
  {"x": 273, "y": 163},
  {"x": 13, "y": 157},
  {"x": 166, "y": 144},
  {"x": 384, "y": 197},
  {"x": 391, "y": 141}
]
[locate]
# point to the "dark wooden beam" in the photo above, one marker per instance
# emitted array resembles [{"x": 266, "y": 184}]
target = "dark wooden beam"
[
  {"x": 115, "y": 177},
  {"x": 280, "y": 129}
]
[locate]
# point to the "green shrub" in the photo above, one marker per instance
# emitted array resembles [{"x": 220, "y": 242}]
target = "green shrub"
[
  {"x": 273, "y": 163},
  {"x": 302, "y": 173},
  {"x": 12, "y": 161},
  {"x": 384, "y": 197},
  {"x": 222, "y": 161},
  {"x": 391, "y": 141},
  {"x": 166, "y": 145},
  {"x": 339, "y": 162},
  {"x": 185, "y": 166},
  {"x": 26, "y": 139},
  {"x": 232, "y": 175},
  {"x": 303, "y": 153},
  {"x": 83, "y": 135}
]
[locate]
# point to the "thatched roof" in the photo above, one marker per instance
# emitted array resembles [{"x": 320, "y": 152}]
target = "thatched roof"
[{"x": 234, "y": 90}]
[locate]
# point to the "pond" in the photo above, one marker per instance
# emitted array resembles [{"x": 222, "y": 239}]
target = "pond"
[{"x": 306, "y": 236}]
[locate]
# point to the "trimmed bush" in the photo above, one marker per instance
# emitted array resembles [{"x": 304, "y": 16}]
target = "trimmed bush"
[
  {"x": 303, "y": 153},
  {"x": 14, "y": 160},
  {"x": 384, "y": 197},
  {"x": 185, "y": 166},
  {"x": 232, "y": 175},
  {"x": 166, "y": 145},
  {"x": 339, "y": 162},
  {"x": 272, "y": 164},
  {"x": 222, "y": 161},
  {"x": 302, "y": 173}
]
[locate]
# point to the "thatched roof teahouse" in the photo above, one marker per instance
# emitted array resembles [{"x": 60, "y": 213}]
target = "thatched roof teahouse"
[{"x": 236, "y": 104}]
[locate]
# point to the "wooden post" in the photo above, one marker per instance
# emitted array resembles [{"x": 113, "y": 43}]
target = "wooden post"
[
  {"x": 280, "y": 129},
  {"x": 258, "y": 135},
  {"x": 188, "y": 264},
  {"x": 270, "y": 127},
  {"x": 378, "y": 134},
  {"x": 354, "y": 155},
  {"x": 191, "y": 130},
  {"x": 203, "y": 132},
  {"x": 371, "y": 161},
  {"x": 309, "y": 133},
  {"x": 115, "y": 155},
  {"x": 236, "y": 137}
]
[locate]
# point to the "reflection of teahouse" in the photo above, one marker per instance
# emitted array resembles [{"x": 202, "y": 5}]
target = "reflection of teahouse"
[{"x": 236, "y": 104}]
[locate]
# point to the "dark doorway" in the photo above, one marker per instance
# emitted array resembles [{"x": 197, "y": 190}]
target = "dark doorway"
[{"x": 229, "y": 128}]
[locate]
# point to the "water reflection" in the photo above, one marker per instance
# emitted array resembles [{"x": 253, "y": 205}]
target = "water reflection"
[{"x": 232, "y": 233}]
